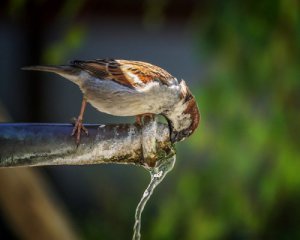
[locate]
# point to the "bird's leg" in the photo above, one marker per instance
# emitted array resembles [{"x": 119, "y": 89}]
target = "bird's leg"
[
  {"x": 139, "y": 119},
  {"x": 78, "y": 123}
]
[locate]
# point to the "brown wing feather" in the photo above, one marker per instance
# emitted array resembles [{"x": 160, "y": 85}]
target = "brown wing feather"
[
  {"x": 128, "y": 73},
  {"x": 146, "y": 71}
]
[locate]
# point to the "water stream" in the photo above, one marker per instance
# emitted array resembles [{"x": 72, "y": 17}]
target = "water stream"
[{"x": 157, "y": 175}]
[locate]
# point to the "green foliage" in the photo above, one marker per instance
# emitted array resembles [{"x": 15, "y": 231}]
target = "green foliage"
[
  {"x": 56, "y": 52},
  {"x": 70, "y": 40},
  {"x": 247, "y": 147},
  {"x": 154, "y": 13}
]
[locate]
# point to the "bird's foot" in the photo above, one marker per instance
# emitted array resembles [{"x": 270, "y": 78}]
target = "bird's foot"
[{"x": 78, "y": 128}]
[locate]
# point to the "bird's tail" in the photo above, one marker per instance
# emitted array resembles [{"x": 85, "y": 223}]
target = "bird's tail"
[
  {"x": 69, "y": 72},
  {"x": 61, "y": 69}
]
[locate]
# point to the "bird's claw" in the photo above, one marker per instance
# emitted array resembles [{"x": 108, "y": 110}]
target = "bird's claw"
[{"x": 78, "y": 128}]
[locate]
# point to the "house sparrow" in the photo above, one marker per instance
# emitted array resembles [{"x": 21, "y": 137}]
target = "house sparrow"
[{"x": 131, "y": 88}]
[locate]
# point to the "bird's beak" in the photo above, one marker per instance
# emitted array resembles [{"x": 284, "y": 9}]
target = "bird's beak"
[
  {"x": 173, "y": 136},
  {"x": 178, "y": 136}
]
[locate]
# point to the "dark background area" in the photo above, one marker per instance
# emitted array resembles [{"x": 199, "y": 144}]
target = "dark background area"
[{"x": 237, "y": 177}]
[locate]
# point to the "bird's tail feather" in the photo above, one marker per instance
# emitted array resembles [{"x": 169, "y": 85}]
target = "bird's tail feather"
[
  {"x": 61, "y": 69},
  {"x": 69, "y": 72}
]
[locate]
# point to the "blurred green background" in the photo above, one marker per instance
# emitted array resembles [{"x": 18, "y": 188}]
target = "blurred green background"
[{"x": 237, "y": 177}]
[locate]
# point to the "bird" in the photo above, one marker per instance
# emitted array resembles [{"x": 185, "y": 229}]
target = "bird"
[{"x": 130, "y": 88}]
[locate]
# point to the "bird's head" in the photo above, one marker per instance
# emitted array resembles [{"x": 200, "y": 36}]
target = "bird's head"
[{"x": 184, "y": 116}]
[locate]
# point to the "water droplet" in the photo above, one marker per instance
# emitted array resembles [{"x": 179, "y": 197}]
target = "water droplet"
[
  {"x": 145, "y": 193},
  {"x": 158, "y": 175}
]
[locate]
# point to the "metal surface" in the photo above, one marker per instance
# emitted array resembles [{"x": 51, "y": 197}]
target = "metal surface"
[{"x": 27, "y": 144}]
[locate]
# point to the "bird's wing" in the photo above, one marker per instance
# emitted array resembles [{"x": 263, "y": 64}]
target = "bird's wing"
[{"x": 128, "y": 73}]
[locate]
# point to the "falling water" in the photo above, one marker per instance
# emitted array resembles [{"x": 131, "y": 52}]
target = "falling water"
[{"x": 157, "y": 175}]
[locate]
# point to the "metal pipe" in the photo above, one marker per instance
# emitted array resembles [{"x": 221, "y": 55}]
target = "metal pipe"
[{"x": 28, "y": 144}]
